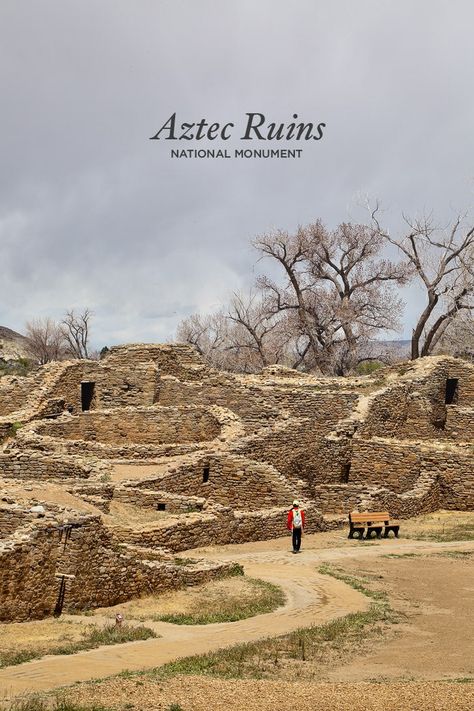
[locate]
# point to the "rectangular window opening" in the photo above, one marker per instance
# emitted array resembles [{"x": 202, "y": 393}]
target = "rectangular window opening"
[
  {"x": 345, "y": 471},
  {"x": 161, "y": 507},
  {"x": 451, "y": 391},
  {"x": 205, "y": 474},
  {"x": 87, "y": 395}
]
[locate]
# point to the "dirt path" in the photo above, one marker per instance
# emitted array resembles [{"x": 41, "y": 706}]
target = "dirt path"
[{"x": 311, "y": 599}]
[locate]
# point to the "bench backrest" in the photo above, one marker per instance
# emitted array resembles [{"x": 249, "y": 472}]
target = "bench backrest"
[{"x": 372, "y": 516}]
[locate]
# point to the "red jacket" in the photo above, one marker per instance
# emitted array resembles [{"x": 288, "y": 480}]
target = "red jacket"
[{"x": 289, "y": 522}]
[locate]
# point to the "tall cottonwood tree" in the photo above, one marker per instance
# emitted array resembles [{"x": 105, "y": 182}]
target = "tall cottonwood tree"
[
  {"x": 334, "y": 293},
  {"x": 337, "y": 285}
]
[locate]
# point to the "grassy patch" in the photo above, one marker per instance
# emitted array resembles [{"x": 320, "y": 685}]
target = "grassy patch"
[
  {"x": 95, "y": 637},
  {"x": 184, "y": 561},
  {"x": 265, "y": 658},
  {"x": 358, "y": 583},
  {"x": 463, "y": 555},
  {"x": 265, "y": 597},
  {"x": 404, "y": 555},
  {"x": 446, "y": 533},
  {"x": 36, "y": 703}
]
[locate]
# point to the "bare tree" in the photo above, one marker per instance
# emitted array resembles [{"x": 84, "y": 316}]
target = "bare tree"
[
  {"x": 75, "y": 330},
  {"x": 337, "y": 286},
  {"x": 45, "y": 340},
  {"x": 208, "y": 334},
  {"x": 256, "y": 329},
  {"x": 457, "y": 338},
  {"x": 442, "y": 261},
  {"x": 335, "y": 294}
]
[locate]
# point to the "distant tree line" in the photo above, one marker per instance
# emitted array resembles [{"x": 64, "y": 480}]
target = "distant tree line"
[{"x": 337, "y": 293}]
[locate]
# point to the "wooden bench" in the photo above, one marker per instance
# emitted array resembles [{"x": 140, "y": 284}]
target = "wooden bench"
[{"x": 372, "y": 521}]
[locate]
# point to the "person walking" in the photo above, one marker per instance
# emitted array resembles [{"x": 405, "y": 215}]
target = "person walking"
[{"x": 295, "y": 524}]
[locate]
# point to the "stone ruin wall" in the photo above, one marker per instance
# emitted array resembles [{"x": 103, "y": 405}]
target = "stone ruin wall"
[
  {"x": 104, "y": 573},
  {"x": 389, "y": 443},
  {"x": 232, "y": 481},
  {"x": 136, "y": 425},
  {"x": 14, "y": 393},
  {"x": 246, "y": 402},
  {"x": 220, "y": 528},
  {"x": 19, "y": 464}
]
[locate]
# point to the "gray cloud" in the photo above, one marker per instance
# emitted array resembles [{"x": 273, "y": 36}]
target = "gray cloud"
[{"x": 93, "y": 213}]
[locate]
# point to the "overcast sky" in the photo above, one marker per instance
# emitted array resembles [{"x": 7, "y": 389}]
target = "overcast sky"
[{"x": 92, "y": 213}]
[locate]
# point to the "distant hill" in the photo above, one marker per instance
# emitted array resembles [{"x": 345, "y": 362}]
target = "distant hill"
[{"x": 12, "y": 345}]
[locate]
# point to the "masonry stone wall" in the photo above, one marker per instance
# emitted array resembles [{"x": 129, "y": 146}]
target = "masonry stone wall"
[
  {"x": 14, "y": 392},
  {"x": 195, "y": 530},
  {"x": 459, "y": 425},
  {"x": 230, "y": 451},
  {"x": 292, "y": 447},
  {"x": 137, "y": 425},
  {"x": 465, "y": 373},
  {"x": 231, "y": 481},
  {"x": 102, "y": 572},
  {"x": 179, "y": 360},
  {"x": 29, "y": 464},
  {"x": 28, "y": 587},
  {"x": 397, "y": 466},
  {"x": 11, "y": 518},
  {"x": 246, "y": 402}
]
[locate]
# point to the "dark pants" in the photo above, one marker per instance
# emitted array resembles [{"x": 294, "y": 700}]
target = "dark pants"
[{"x": 296, "y": 539}]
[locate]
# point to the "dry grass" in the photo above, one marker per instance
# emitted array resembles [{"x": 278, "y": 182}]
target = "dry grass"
[
  {"x": 90, "y": 637},
  {"x": 218, "y": 601},
  {"x": 49, "y": 633},
  {"x": 441, "y": 526}
]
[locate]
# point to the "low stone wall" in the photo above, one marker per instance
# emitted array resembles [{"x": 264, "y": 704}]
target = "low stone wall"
[
  {"x": 172, "y": 503},
  {"x": 155, "y": 425},
  {"x": 30, "y": 464},
  {"x": 217, "y": 528},
  {"x": 217, "y": 421}
]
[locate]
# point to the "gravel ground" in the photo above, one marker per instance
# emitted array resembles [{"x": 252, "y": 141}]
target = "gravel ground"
[{"x": 201, "y": 694}]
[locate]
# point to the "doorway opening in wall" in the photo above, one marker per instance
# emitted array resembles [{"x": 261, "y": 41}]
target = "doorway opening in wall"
[
  {"x": 87, "y": 395},
  {"x": 451, "y": 391},
  {"x": 161, "y": 507},
  {"x": 345, "y": 471},
  {"x": 205, "y": 474}
]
